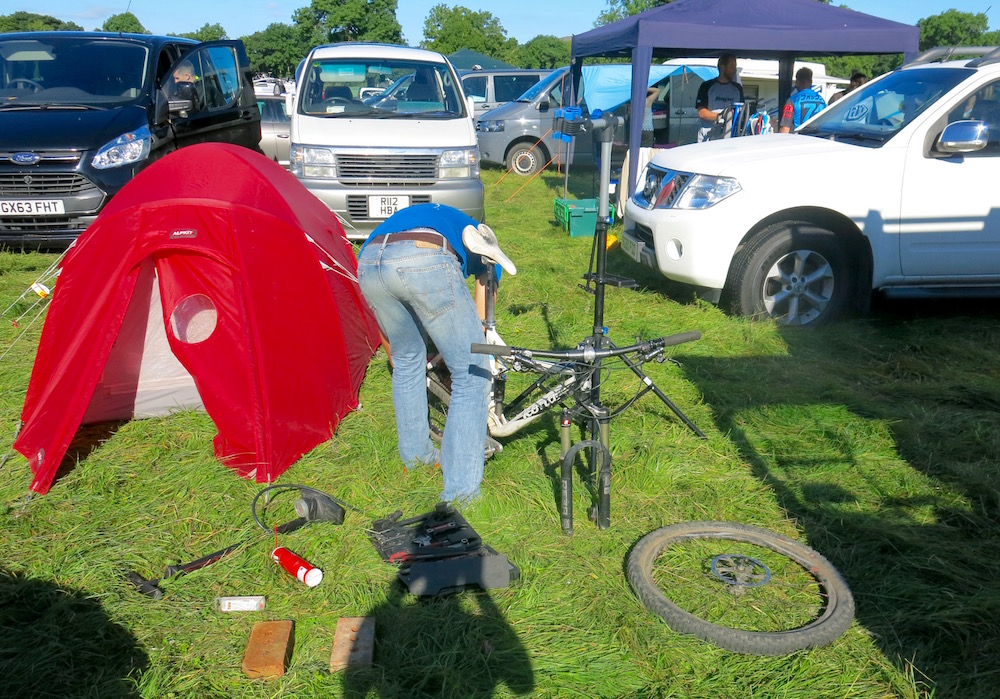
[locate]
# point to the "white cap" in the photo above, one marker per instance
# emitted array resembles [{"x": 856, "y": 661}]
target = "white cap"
[
  {"x": 313, "y": 578},
  {"x": 481, "y": 240}
]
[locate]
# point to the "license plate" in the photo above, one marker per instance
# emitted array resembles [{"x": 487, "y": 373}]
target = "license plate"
[
  {"x": 384, "y": 206},
  {"x": 31, "y": 207},
  {"x": 630, "y": 247}
]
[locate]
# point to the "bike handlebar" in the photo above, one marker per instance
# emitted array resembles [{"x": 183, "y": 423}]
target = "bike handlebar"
[{"x": 587, "y": 354}]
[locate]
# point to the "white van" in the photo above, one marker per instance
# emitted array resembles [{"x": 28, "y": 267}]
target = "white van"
[{"x": 412, "y": 142}]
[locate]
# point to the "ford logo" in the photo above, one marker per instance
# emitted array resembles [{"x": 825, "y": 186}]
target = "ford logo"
[{"x": 25, "y": 158}]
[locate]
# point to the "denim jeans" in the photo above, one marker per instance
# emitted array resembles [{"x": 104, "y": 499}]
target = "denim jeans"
[{"x": 416, "y": 292}]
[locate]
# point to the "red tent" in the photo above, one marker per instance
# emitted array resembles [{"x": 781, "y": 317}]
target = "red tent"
[{"x": 213, "y": 279}]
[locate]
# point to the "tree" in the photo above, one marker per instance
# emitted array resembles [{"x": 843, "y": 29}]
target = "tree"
[
  {"x": 545, "y": 51},
  {"x": 324, "y": 21},
  {"x": 620, "y": 9},
  {"x": 952, "y": 28},
  {"x": 125, "y": 23},
  {"x": 31, "y": 22},
  {"x": 277, "y": 50},
  {"x": 448, "y": 29},
  {"x": 209, "y": 32}
]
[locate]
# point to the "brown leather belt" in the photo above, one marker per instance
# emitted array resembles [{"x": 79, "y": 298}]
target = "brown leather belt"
[{"x": 422, "y": 236}]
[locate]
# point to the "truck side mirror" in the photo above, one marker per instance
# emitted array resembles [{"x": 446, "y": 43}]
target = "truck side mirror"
[{"x": 963, "y": 137}]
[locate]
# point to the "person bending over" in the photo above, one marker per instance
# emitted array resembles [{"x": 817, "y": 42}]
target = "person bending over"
[{"x": 412, "y": 272}]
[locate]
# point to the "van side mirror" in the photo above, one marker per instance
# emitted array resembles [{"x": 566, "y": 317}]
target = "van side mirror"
[
  {"x": 543, "y": 106},
  {"x": 289, "y": 102},
  {"x": 470, "y": 104}
]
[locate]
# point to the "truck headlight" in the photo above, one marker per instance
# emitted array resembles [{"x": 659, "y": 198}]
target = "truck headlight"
[
  {"x": 462, "y": 163},
  {"x": 128, "y": 148},
  {"x": 490, "y": 125},
  {"x": 313, "y": 162},
  {"x": 703, "y": 191}
]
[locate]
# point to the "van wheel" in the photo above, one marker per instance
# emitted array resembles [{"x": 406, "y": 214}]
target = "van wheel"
[
  {"x": 794, "y": 272},
  {"x": 526, "y": 158}
]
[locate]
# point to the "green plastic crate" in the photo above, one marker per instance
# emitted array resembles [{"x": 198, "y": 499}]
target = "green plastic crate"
[{"x": 578, "y": 216}]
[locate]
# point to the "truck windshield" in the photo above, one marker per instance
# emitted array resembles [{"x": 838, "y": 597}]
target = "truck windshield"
[
  {"x": 875, "y": 112},
  {"x": 343, "y": 87},
  {"x": 71, "y": 71}
]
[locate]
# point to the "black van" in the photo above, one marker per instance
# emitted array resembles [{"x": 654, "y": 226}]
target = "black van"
[{"x": 82, "y": 112}]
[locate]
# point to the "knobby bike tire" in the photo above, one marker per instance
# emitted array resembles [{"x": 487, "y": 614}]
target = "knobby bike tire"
[{"x": 833, "y": 621}]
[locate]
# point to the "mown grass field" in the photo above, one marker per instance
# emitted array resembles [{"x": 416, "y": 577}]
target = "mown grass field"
[{"x": 874, "y": 441}]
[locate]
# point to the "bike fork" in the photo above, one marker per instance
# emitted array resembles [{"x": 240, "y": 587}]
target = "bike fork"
[{"x": 600, "y": 469}]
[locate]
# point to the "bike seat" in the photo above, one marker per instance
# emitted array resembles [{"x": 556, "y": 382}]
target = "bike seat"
[{"x": 481, "y": 240}]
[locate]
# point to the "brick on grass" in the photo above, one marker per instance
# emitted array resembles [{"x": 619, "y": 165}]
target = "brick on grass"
[
  {"x": 353, "y": 643},
  {"x": 270, "y": 649}
]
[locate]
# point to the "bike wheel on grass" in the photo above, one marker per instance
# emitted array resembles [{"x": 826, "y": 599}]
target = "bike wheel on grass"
[{"x": 742, "y": 588}]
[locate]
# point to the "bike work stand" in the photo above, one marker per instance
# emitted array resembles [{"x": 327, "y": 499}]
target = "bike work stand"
[{"x": 570, "y": 122}]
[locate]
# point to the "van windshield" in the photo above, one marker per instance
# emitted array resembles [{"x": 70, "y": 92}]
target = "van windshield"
[
  {"x": 71, "y": 71},
  {"x": 543, "y": 85},
  {"x": 343, "y": 87}
]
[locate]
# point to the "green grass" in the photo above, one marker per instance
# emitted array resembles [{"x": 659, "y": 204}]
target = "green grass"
[{"x": 874, "y": 441}]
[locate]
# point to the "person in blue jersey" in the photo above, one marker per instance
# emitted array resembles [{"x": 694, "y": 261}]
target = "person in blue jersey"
[
  {"x": 803, "y": 103},
  {"x": 715, "y": 96},
  {"x": 412, "y": 272}
]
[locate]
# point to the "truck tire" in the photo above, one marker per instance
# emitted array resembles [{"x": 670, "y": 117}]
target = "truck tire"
[
  {"x": 794, "y": 272},
  {"x": 526, "y": 158}
]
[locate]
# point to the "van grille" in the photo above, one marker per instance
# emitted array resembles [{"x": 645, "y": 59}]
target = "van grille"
[
  {"x": 37, "y": 224},
  {"x": 367, "y": 169},
  {"x": 44, "y": 184}
]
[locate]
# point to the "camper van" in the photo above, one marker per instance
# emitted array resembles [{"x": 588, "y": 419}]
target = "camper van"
[{"x": 413, "y": 141}]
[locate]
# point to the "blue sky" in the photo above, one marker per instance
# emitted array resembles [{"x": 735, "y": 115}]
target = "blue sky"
[{"x": 522, "y": 19}]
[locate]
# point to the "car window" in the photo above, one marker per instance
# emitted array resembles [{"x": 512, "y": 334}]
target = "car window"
[
  {"x": 508, "y": 88},
  {"x": 982, "y": 105},
  {"x": 879, "y": 109},
  {"x": 273, "y": 110},
  {"x": 331, "y": 88},
  {"x": 72, "y": 70},
  {"x": 475, "y": 87}
]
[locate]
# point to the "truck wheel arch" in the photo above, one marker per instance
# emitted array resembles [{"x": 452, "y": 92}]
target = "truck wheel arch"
[{"x": 824, "y": 232}]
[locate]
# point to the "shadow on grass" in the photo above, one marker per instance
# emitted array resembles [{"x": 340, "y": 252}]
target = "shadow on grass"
[
  {"x": 918, "y": 552},
  {"x": 437, "y": 647},
  {"x": 87, "y": 440},
  {"x": 60, "y": 643}
]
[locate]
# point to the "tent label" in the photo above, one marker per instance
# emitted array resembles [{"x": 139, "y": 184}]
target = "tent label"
[{"x": 32, "y": 207}]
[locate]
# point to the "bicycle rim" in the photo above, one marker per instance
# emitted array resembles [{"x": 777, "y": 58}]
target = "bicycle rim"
[{"x": 742, "y": 588}]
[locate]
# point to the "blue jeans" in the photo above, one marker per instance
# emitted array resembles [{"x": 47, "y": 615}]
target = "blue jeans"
[{"x": 417, "y": 291}]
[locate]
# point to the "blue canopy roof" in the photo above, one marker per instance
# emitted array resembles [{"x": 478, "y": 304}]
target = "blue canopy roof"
[{"x": 608, "y": 86}]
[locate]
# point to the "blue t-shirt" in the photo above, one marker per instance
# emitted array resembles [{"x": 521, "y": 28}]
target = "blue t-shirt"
[
  {"x": 446, "y": 220},
  {"x": 801, "y": 106}
]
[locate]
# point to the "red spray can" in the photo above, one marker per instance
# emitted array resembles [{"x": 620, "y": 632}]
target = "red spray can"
[{"x": 297, "y": 567}]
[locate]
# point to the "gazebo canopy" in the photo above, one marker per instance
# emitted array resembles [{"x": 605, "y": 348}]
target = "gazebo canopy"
[{"x": 781, "y": 29}]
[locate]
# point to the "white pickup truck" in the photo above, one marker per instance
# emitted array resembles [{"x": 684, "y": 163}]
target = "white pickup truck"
[{"x": 894, "y": 186}]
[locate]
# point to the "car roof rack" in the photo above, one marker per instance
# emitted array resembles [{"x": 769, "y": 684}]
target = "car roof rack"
[{"x": 987, "y": 55}]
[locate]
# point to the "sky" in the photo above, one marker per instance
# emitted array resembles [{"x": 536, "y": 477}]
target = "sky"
[{"x": 522, "y": 19}]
